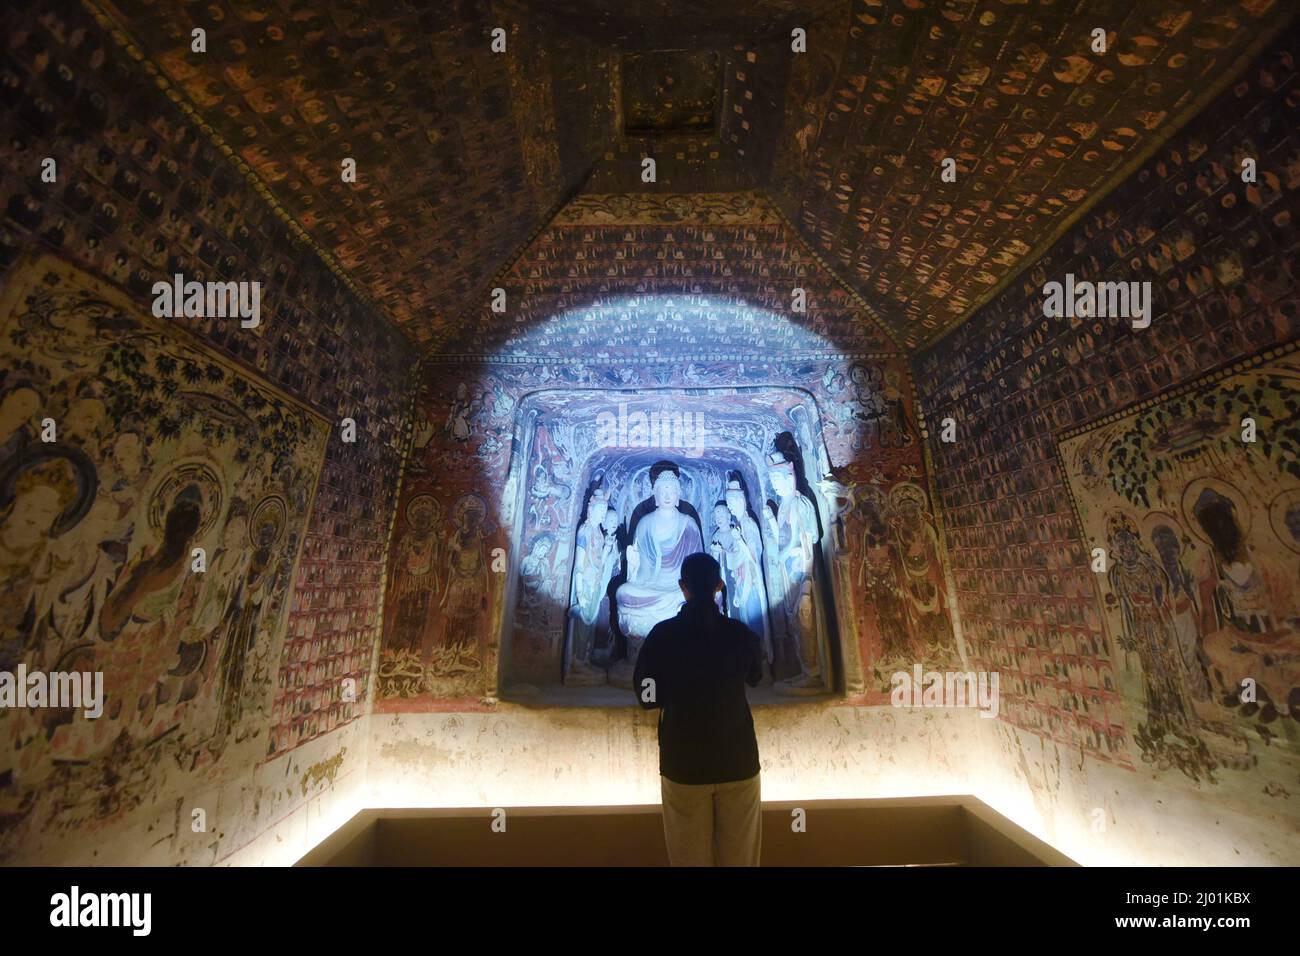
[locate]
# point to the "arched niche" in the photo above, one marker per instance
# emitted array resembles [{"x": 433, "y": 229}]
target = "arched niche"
[{"x": 567, "y": 442}]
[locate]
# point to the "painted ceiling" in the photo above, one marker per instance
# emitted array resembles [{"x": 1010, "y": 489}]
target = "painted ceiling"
[
  {"x": 464, "y": 156},
  {"x": 628, "y": 276}
]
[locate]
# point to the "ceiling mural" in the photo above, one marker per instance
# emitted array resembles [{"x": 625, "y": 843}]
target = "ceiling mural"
[
  {"x": 1040, "y": 127},
  {"x": 704, "y": 275},
  {"x": 463, "y": 155},
  {"x": 455, "y": 147}
]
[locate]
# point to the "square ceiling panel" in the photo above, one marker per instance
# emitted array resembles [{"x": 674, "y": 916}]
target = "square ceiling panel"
[{"x": 670, "y": 92}]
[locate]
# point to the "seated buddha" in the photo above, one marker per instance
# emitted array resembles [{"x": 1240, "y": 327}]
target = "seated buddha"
[{"x": 662, "y": 540}]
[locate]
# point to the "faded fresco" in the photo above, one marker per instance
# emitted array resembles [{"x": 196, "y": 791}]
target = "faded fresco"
[
  {"x": 161, "y": 447},
  {"x": 1201, "y": 529}
]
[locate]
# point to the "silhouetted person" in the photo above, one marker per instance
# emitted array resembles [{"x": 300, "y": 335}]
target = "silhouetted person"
[{"x": 694, "y": 667}]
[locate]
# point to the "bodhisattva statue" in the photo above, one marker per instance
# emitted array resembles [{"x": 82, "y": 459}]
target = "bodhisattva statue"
[
  {"x": 662, "y": 541},
  {"x": 738, "y": 547},
  {"x": 591, "y": 566},
  {"x": 795, "y": 532}
]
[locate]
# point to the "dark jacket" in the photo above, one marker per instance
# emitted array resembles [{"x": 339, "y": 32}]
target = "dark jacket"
[{"x": 700, "y": 663}]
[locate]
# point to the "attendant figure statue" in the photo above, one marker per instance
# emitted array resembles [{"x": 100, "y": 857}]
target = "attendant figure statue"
[
  {"x": 590, "y": 576},
  {"x": 750, "y": 600},
  {"x": 795, "y": 531},
  {"x": 723, "y": 542},
  {"x": 661, "y": 542}
]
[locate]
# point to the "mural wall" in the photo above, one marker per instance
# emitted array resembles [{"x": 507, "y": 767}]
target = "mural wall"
[
  {"x": 441, "y": 129},
  {"x": 161, "y": 448},
  {"x": 141, "y": 195},
  {"x": 1202, "y": 529},
  {"x": 1034, "y": 123},
  {"x": 460, "y": 494},
  {"x": 1132, "y": 667}
]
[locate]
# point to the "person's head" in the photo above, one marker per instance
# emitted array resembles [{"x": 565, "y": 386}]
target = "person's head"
[
  {"x": 701, "y": 579},
  {"x": 721, "y": 516}
]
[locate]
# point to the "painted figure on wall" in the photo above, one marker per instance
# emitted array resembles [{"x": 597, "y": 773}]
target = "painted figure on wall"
[
  {"x": 266, "y": 528},
  {"x": 128, "y": 546},
  {"x": 535, "y": 581},
  {"x": 1184, "y": 605},
  {"x": 417, "y": 566},
  {"x": 460, "y": 418},
  {"x": 1236, "y": 593},
  {"x": 1141, "y": 590},
  {"x": 918, "y": 552},
  {"x": 1201, "y": 588},
  {"x": 662, "y": 540},
  {"x": 795, "y": 531},
  {"x": 45, "y": 491},
  {"x": 880, "y": 576},
  {"x": 464, "y": 601}
]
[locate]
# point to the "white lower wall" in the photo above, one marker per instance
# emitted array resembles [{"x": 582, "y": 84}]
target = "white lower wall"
[
  {"x": 1146, "y": 818},
  {"x": 515, "y": 756},
  {"x": 271, "y": 813}
]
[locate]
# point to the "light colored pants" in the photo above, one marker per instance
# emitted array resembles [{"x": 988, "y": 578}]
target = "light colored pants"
[{"x": 713, "y": 824}]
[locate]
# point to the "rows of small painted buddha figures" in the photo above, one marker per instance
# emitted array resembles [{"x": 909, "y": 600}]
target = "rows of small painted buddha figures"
[{"x": 626, "y": 573}]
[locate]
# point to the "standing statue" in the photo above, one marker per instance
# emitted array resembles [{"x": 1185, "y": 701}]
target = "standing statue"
[
  {"x": 591, "y": 566},
  {"x": 795, "y": 532},
  {"x": 742, "y": 563},
  {"x": 661, "y": 542},
  {"x": 613, "y": 562}
]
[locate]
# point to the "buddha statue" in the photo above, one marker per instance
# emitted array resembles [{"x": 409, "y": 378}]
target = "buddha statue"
[{"x": 661, "y": 542}]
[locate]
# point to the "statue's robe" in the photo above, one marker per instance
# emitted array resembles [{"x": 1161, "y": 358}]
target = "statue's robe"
[{"x": 653, "y": 595}]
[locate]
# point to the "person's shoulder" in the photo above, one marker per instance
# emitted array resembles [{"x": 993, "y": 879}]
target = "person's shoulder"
[
  {"x": 663, "y": 629},
  {"x": 739, "y": 629}
]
